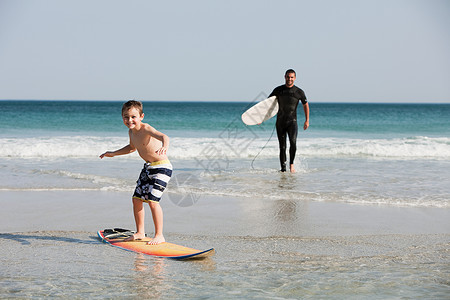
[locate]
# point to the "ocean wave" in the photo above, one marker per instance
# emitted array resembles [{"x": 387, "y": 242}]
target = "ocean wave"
[
  {"x": 410, "y": 147},
  {"x": 231, "y": 148}
]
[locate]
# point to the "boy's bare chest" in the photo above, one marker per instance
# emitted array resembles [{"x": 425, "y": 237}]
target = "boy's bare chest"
[{"x": 141, "y": 140}]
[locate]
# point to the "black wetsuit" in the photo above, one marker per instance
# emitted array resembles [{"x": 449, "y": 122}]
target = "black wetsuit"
[{"x": 288, "y": 99}]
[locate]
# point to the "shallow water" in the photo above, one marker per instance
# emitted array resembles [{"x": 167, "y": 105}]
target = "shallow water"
[
  {"x": 395, "y": 182},
  {"x": 65, "y": 264}
]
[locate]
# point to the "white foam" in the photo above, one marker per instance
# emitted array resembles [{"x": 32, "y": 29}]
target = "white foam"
[
  {"x": 213, "y": 148},
  {"x": 411, "y": 147},
  {"x": 311, "y": 196},
  {"x": 62, "y": 146}
]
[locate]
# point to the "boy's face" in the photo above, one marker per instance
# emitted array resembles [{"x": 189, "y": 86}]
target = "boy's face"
[{"x": 131, "y": 118}]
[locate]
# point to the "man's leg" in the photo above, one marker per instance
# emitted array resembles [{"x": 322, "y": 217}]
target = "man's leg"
[
  {"x": 281, "y": 133},
  {"x": 292, "y": 133}
]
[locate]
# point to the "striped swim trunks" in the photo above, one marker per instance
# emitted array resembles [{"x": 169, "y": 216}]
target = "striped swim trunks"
[{"x": 153, "y": 181}]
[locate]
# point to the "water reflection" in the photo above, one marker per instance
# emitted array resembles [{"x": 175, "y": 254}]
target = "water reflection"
[
  {"x": 285, "y": 211},
  {"x": 150, "y": 277},
  {"x": 205, "y": 264},
  {"x": 287, "y": 181},
  {"x": 277, "y": 217}
]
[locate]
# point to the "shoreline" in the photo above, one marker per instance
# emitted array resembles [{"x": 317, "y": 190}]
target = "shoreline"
[{"x": 24, "y": 211}]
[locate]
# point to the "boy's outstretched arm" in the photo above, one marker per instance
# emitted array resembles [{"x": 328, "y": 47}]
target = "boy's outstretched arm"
[{"x": 125, "y": 150}]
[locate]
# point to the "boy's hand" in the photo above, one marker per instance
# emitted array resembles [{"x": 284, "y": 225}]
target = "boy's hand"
[
  {"x": 107, "y": 154},
  {"x": 161, "y": 151}
]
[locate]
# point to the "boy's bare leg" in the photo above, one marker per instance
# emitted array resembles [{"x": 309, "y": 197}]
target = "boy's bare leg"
[
  {"x": 139, "y": 216},
  {"x": 157, "y": 215}
]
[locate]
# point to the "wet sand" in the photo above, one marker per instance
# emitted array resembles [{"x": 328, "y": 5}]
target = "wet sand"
[
  {"x": 265, "y": 249},
  {"x": 214, "y": 215}
]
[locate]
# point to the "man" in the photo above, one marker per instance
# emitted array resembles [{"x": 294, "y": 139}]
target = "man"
[{"x": 288, "y": 96}]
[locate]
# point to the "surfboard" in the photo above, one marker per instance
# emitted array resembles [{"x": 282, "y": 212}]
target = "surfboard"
[
  {"x": 115, "y": 237},
  {"x": 261, "y": 111}
]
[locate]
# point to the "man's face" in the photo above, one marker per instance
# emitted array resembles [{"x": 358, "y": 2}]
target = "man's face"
[{"x": 290, "y": 78}]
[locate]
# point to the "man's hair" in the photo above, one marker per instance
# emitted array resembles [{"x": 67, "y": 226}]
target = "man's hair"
[
  {"x": 290, "y": 71},
  {"x": 132, "y": 104}
]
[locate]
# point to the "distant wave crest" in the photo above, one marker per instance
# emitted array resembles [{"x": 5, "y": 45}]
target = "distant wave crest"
[{"x": 192, "y": 148}]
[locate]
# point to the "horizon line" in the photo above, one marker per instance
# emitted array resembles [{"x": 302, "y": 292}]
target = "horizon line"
[{"x": 223, "y": 101}]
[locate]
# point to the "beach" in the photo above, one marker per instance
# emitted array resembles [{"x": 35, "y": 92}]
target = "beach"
[
  {"x": 264, "y": 249},
  {"x": 216, "y": 215},
  {"x": 366, "y": 216}
]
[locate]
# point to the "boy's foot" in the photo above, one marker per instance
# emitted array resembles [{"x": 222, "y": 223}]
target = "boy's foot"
[
  {"x": 157, "y": 240},
  {"x": 135, "y": 237}
]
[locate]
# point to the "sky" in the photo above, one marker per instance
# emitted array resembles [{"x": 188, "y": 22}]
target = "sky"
[{"x": 343, "y": 51}]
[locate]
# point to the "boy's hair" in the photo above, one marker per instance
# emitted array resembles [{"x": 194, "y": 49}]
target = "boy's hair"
[
  {"x": 290, "y": 71},
  {"x": 133, "y": 104}
]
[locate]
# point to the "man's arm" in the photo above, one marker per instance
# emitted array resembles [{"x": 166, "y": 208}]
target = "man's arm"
[{"x": 306, "y": 109}]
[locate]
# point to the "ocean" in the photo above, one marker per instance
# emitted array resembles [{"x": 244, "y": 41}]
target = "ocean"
[
  {"x": 364, "y": 217},
  {"x": 389, "y": 154}
]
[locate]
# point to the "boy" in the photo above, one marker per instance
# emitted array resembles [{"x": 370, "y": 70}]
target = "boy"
[{"x": 152, "y": 146}]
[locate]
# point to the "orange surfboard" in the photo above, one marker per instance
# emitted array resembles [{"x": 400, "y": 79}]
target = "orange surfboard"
[{"x": 115, "y": 237}]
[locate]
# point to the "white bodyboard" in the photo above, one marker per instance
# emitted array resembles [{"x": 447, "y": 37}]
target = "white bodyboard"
[{"x": 260, "y": 112}]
